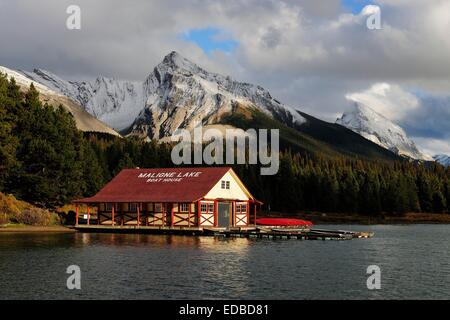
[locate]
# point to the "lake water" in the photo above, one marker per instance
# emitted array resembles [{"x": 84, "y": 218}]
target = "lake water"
[{"x": 414, "y": 262}]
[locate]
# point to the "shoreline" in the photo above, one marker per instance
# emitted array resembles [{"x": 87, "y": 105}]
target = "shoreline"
[
  {"x": 315, "y": 218},
  {"x": 337, "y": 218},
  {"x": 30, "y": 229}
]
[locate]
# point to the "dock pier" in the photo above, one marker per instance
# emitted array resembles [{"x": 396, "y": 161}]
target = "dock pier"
[{"x": 246, "y": 232}]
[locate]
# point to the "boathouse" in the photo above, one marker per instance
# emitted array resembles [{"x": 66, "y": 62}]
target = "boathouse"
[{"x": 170, "y": 198}]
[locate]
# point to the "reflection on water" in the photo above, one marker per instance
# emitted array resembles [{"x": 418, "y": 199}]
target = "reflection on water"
[
  {"x": 414, "y": 260},
  {"x": 232, "y": 265},
  {"x": 169, "y": 241}
]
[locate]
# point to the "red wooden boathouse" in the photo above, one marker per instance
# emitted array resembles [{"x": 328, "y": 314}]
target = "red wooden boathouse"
[{"x": 171, "y": 198}]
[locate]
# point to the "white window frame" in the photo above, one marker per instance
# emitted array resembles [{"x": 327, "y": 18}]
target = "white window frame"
[
  {"x": 183, "y": 207},
  {"x": 207, "y": 207},
  {"x": 225, "y": 184},
  {"x": 241, "y": 208}
]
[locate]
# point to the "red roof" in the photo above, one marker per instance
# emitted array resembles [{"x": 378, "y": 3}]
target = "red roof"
[{"x": 159, "y": 185}]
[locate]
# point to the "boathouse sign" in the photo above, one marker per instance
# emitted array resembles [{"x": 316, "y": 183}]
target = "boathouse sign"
[
  {"x": 174, "y": 198},
  {"x": 171, "y": 176}
]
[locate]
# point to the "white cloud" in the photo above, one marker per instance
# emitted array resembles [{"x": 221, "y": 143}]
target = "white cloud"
[
  {"x": 309, "y": 54},
  {"x": 433, "y": 146},
  {"x": 389, "y": 100},
  {"x": 369, "y": 10},
  {"x": 425, "y": 118}
]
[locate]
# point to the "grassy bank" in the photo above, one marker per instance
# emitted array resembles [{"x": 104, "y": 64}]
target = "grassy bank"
[
  {"x": 16, "y": 228},
  {"x": 18, "y": 213}
]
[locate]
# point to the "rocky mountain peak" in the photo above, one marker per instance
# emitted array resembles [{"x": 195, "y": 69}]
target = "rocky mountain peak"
[
  {"x": 176, "y": 94},
  {"x": 442, "y": 159},
  {"x": 375, "y": 127},
  {"x": 174, "y": 61}
]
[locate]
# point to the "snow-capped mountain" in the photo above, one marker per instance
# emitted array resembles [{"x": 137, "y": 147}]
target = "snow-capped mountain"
[
  {"x": 380, "y": 130},
  {"x": 23, "y": 81},
  {"x": 180, "y": 93},
  {"x": 115, "y": 102},
  {"x": 84, "y": 120},
  {"x": 442, "y": 159},
  {"x": 177, "y": 94}
]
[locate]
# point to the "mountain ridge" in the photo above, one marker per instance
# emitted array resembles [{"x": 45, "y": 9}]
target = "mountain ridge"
[
  {"x": 443, "y": 159},
  {"x": 375, "y": 127},
  {"x": 84, "y": 121},
  {"x": 131, "y": 106},
  {"x": 178, "y": 93}
]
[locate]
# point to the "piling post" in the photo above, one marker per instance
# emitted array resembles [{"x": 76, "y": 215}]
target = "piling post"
[
  {"x": 138, "y": 214},
  {"x": 112, "y": 214}
]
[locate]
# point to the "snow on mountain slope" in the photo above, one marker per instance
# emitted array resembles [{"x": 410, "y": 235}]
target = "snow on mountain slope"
[
  {"x": 84, "y": 120},
  {"x": 23, "y": 81},
  {"x": 442, "y": 159},
  {"x": 380, "y": 130},
  {"x": 177, "y": 94},
  {"x": 115, "y": 102},
  {"x": 180, "y": 93}
]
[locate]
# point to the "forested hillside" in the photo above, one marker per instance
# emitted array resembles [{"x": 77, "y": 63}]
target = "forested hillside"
[{"x": 45, "y": 160}]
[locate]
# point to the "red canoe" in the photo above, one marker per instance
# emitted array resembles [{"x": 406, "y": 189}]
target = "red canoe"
[{"x": 283, "y": 222}]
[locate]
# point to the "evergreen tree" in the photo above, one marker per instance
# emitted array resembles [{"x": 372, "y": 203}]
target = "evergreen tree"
[
  {"x": 8, "y": 142},
  {"x": 51, "y": 167},
  {"x": 125, "y": 162},
  {"x": 370, "y": 201},
  {"x": 46, "y": 160},
  {"x": 349, "y": 192},
  {"x": 425, "y": 192},
  {"x": 93, "y": 173}
]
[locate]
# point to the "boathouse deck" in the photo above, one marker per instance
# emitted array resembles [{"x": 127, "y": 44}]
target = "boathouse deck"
[{"x": 237, "y": 232}]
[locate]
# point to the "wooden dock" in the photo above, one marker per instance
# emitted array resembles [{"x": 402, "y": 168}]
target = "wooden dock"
[
  {"x": 192, "y": 231},
  {"x": 247, "y": 232},
  {"x": 307, "y": 235}
]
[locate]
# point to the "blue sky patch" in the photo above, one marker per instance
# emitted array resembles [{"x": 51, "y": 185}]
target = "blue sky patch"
[
  {"x": 210, "y": 39},
  {"x": 355, "y": 6}
]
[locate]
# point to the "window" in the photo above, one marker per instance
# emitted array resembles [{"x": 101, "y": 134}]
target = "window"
[
  {"x": 108, "y": 206},
  {"x": 132, "y": 207},
  {"x": 184, "y": 207},
  {"x": 158, "y": 207},
  {"x": 207, "y": 207},
  {"x": 225, "y": 184},
  {"x": 241, "y": 208}
]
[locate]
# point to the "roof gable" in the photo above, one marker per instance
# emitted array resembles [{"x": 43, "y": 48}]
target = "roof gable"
[
  {"x": 236, "y": 191},
  {"x": 159, "y": 185}
]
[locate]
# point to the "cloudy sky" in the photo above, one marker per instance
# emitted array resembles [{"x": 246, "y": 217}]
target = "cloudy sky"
[{"x": 318, "y": 56}]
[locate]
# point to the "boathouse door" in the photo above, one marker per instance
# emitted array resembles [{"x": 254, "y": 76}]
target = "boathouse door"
[{"x": 223, "y": 214}]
